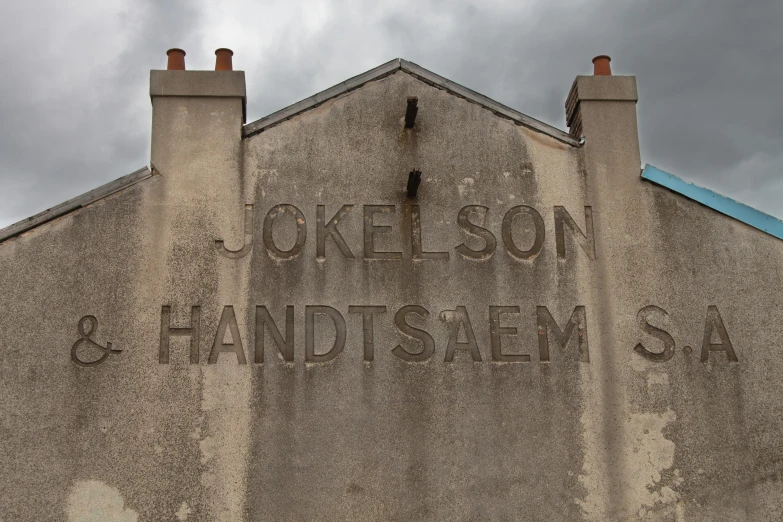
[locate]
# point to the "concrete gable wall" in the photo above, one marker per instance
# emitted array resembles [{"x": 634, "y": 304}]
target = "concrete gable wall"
[
  {"x": 722, "y": 416},
  {"x": 417, "y": 423},
  {"x": 617, "y": 437}
]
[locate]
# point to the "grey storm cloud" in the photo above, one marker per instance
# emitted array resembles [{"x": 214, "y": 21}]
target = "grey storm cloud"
[
  {"x": 75, "y": 111},
  {"x": 74, "y": 103}
]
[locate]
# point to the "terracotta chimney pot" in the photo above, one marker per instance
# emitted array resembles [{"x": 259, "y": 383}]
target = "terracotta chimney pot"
[
  {"x": 223, "y": 60},
  {"x": 176, "y": 59},
  {"x": 601, "y": 66}
]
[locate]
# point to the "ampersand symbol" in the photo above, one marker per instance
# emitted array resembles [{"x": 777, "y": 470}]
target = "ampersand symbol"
[{"x": 88, "y": 325}]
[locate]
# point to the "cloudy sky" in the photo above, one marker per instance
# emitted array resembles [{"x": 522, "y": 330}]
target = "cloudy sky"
[{"x": 75, "y": 110}]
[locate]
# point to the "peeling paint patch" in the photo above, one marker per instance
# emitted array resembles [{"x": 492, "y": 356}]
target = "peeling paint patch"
[
  {"x": 594, "y": 466},
  {"x": 269, "y": 175},
  {"x": 184, "y": 512},
  {"x": 207, "y": 447},
  {"x": 650, "y": 454},
  {"x": 657, "y": 379},
  {"x": 465, "y": 185},
  {"x": 224, "y": 453},
  {"x": 647, "y": 455},
  {"x": 94, "y": 501}
]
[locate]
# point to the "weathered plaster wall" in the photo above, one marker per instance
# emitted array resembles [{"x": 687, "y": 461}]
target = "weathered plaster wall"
[
  {"x": 615, "y": 438},
  {"x": 399, "y": 440},
  {"x": 681, "y": 439}
]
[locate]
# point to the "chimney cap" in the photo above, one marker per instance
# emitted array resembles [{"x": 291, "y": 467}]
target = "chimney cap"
[
  {"x": 601, "y": 65},
  {"x": 223, "y": 59},
  {"x": 176, "y": 60}
]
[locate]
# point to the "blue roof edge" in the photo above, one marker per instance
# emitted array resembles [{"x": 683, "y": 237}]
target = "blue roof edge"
[{"x": 734, "y": 209}]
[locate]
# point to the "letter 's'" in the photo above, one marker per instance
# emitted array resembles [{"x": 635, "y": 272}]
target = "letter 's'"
[
  {"x": 658, "y": 333},
  {"x": 428, "y": 344},
  {"x": 476, "y": 231}
]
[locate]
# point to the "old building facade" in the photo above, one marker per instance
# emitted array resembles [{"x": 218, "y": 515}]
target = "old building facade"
[{"x": 395, "y": 300}]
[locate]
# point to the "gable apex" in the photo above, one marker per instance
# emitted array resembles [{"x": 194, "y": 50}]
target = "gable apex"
[{"x": 420, "y": 73}]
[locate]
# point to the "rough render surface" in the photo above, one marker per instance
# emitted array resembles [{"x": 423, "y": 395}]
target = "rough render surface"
[{"x": 615, "y": 438}]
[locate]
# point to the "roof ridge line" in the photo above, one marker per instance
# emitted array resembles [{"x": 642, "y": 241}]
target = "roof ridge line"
[
  {"x": 270, "y": 120},
  {"x": 75, "y": 203},
  {"x": 718, "y": 202},
  {"x": 488, "y": 103},
  {"x": 420, "y": 73}
]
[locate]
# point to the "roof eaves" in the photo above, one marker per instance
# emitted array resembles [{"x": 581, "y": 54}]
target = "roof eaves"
[
  {"x": 727, "y": 206},
  {"x": 75, "y": 203},
  {"x": 420, "y": 73}
]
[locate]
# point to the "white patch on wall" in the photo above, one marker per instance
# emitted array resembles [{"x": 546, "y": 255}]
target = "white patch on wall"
[
  {"x": 184, "y": 511},
  {"x": 465, "y": 186},
  {"x": 651, "y": 453},
  {"x": 263, "y": 177},
  {"x": 657, "y": 381},
  {"x": 224, "y": 453},
  {"x": 647, "y": 454},
  {"x": 594, "y": 464},
  {"x": 94, "y": 501},
  {"x": 268, "y": 175}
]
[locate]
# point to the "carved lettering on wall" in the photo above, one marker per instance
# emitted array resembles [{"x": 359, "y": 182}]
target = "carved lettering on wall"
[
  {"x": 272, "y": 216},
  {"x": 329, "y": 230},
  {"x": 416, "y": 344},
  {"x": 166, "y": 331},
  {"x": 496, "y": 330},
  {"x": 87, "y": 327},
  {"x": 247, "y": 246},
  {"x": 547, "y": 324},
  {"x": 367, "y": 327},
  {"x": 458, "y": 320},
  {"x": 228, "y": 322},
  {"x": 528, "y": 213},
  {"x": 372, "y": 229},
  {"x": 264, "y": 322},
  {"x": 668, "y": 341},
  {"x": 476, "y": 230},
  {"x": 715, "y": 337},
  {"x": 378, "y": 226}
]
